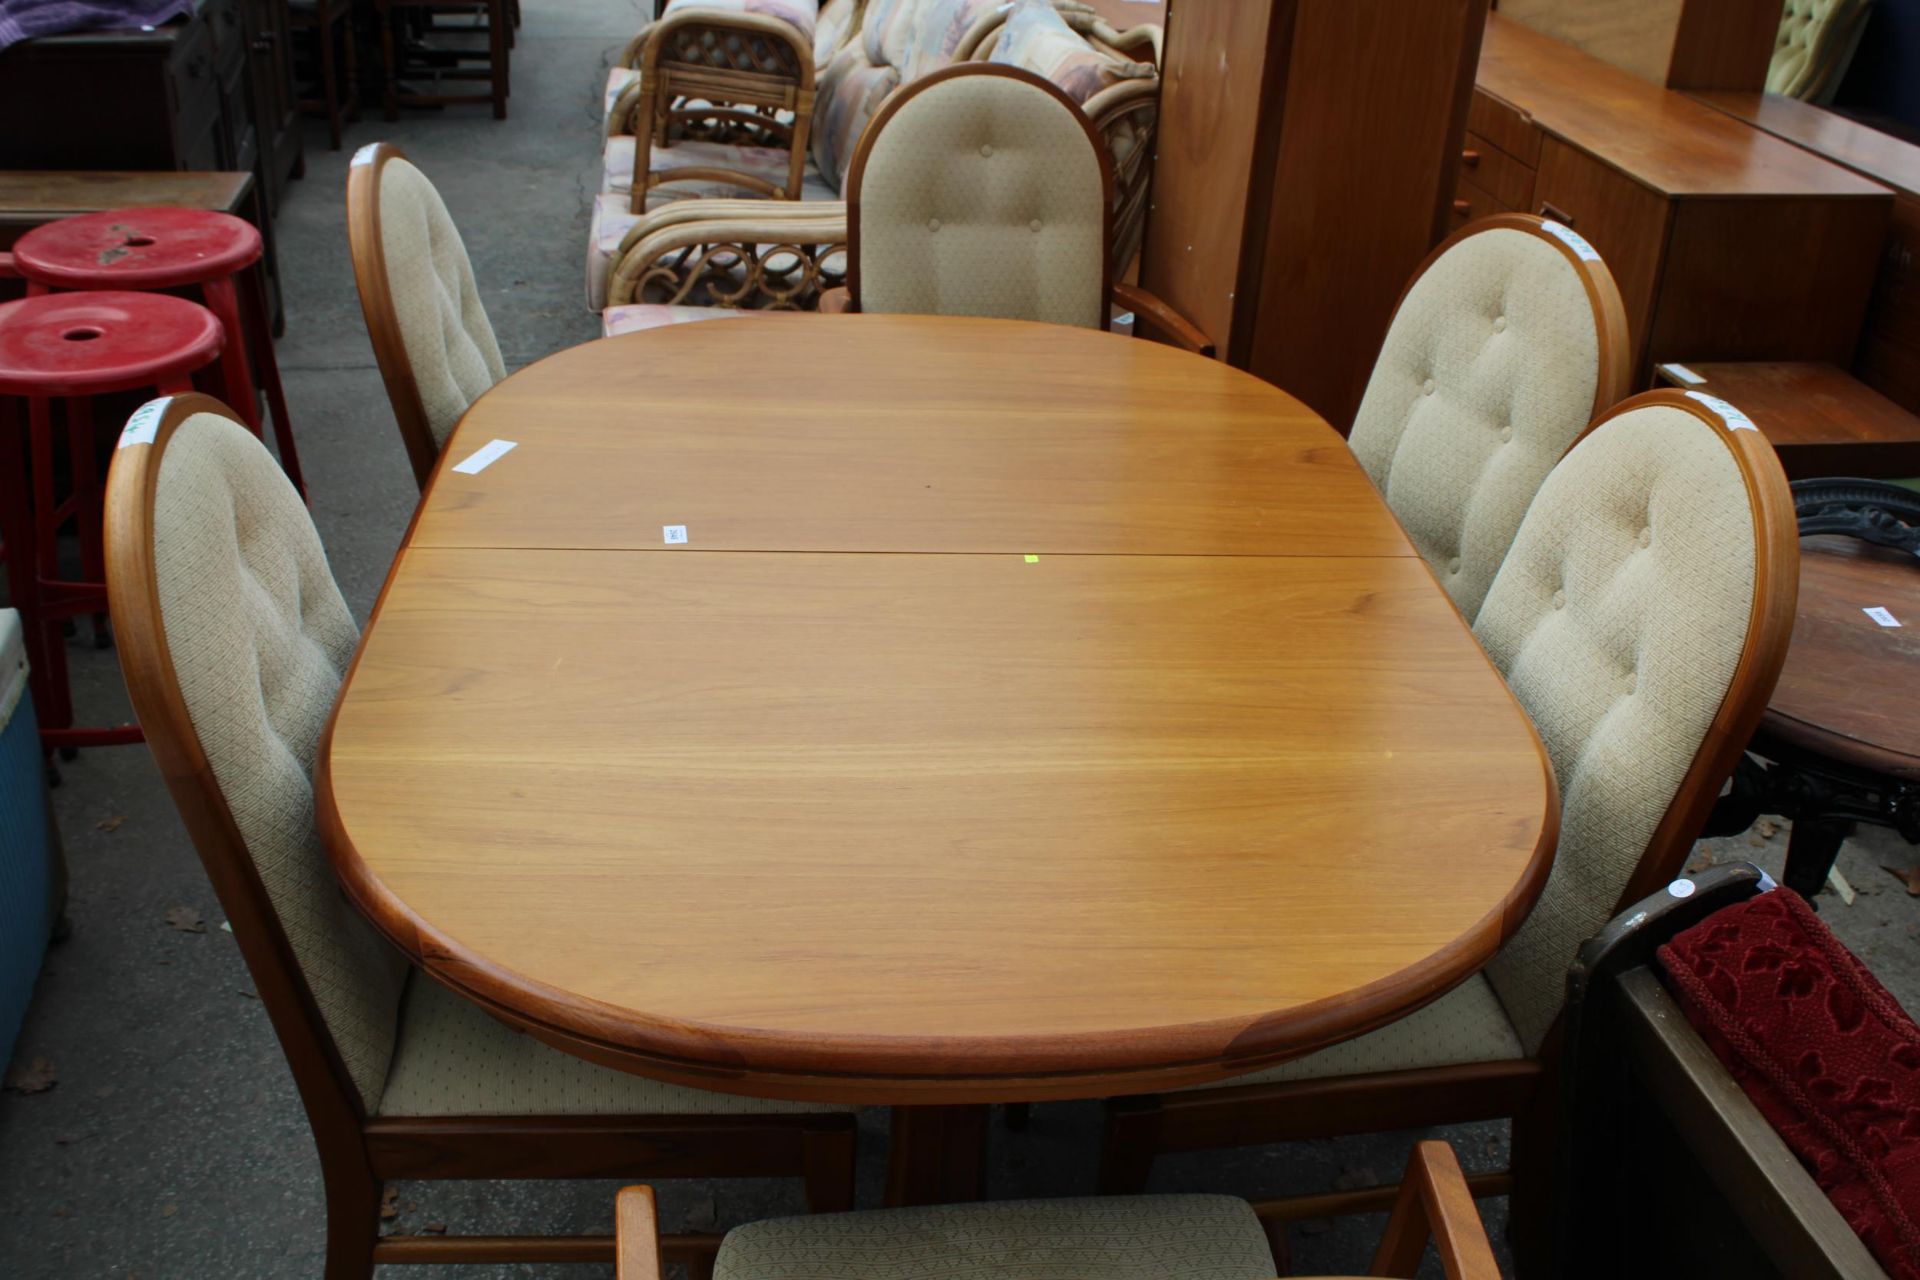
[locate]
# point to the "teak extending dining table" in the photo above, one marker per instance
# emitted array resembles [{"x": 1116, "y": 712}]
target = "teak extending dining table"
[{"x": 924, "y": 711}]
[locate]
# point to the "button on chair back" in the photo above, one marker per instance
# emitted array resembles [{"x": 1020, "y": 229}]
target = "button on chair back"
[
  {"x": 1510, "y": 340},
  {"x": 981, "y": 190},
  {"x": 430, "y": 333},
  {"x": 1641, "y": 618}
]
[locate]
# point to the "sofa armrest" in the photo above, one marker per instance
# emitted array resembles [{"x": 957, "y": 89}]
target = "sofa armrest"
[
  {"x": 734, "y": 253},
  {"x": 1181, "y": 331}
]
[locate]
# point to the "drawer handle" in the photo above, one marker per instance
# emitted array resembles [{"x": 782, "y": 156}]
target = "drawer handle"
[
  {"x": 1554, "y": 211},
  {"x": 1461, "y": 208},
  {"x": 1470, "y": 158}
]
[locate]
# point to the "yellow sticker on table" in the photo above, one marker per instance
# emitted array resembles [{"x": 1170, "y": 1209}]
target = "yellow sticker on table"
[{"x": 1033, "y": 559}]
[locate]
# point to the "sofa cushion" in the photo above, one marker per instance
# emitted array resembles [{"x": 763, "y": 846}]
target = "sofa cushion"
[
  {"x": 801, "y": 15},
  {"x": 766, "y": 163},
  {"x": 1037, "y": 39},
  {"x": 850, "y": 91},
  {"x": 1824, "y": 1052},
  {"x": 637, "y": 317}
]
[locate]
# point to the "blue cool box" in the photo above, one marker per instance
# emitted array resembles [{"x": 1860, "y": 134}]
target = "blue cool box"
[{"x": 26, "y": 839}]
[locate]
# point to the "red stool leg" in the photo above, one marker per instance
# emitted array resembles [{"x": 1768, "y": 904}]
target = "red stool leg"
[
  {"x": 18, "y": 517},
  {"x": 225, "y": 304},
  {"x": 89, "y": 507},
  {"x": 46, "y": 512},
  {"x": 253, "y": 301}
]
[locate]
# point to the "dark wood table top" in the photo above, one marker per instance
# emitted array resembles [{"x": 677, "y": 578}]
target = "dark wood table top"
[
  {"x": 1850, "y": 691},
  {"x": 1823, "y": 420}
]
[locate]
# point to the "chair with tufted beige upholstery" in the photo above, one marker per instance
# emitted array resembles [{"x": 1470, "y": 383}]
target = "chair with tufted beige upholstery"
[
  {"x": 1816, "y": 43},
  {"x": 1510, "y": 339},
  {"x": 234, "y": 641},
  {"x": 430, "y": 332},
  {"x": 1641, "y": 618},
  {"x": 983, "y": 190},
  {"x": 1195, "y": 1237}
]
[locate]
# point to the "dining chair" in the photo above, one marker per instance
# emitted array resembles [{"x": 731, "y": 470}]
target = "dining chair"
[
  {"x": 1510, "y": 339},
  {"x": 1641, "y": 619},
  {"x": 430, "y": 332},
  {"x": 983, "y": 190},
  {"x": 234, "y": 640},
  {"x": 1194, "y": 1237}
]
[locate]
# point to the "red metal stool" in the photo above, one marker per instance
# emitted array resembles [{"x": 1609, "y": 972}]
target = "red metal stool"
[
  {"x": 167, "y": 248},
  {"x": 72, "y": 346}
]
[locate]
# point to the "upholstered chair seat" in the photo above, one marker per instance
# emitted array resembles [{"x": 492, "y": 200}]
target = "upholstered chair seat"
[
  {"x": 1816, "y": 43},
  {"x": 1509, "y": 341}
]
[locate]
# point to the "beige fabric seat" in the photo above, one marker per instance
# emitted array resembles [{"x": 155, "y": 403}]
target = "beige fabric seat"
[
  {"x": 1816, "y": 43},
  {"x": 1465, "y": 1025},
  {"x": 1135, "y": 1238},
  {"x": 450, "y": 1058},
  {"x": 1509, "y": 341}
]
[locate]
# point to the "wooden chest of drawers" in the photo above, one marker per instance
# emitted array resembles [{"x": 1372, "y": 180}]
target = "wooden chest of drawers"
[{"x": 1727, "y": 244}]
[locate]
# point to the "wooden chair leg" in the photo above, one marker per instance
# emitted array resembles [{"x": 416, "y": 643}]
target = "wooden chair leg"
[
  {"x": 390, "y": 88},
  {"x": 827, "y": 1157},
  {"x": 1434, "y": 1201},
  {"x": 497, "y": 46},
  {"x": 353, "y": 1225},
  {"x": 329, "y": 87},
  {"x": 1132, "y": 1140}
]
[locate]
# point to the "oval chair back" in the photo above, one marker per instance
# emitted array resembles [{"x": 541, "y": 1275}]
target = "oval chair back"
[
  {"x": 1509, "y": 341},
  {"x": 233, "y": 638},
  {"x": 1641, "y": 618},
  {"x": 981, "y": 190},
  {"x": 430, "y": 333}
]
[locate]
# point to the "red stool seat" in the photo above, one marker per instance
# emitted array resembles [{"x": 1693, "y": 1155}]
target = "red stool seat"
[
  {"x": 69, "y": 344},
  {"x": 162, "y": 248}
]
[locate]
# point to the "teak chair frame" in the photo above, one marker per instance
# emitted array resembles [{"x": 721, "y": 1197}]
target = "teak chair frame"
[
  {"x": 359, "y": 1152},
  {"x": 1161, "y": 316},
  {"x": 1140, "y": 1128},
  {"x": 368, "y": 249}
]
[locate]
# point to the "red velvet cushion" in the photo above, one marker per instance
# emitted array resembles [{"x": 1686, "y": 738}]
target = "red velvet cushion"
[{"x": 1824, "y": 1052}]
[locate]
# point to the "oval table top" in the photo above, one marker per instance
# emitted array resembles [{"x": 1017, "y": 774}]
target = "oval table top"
[{"x": 1146, "y": 752}]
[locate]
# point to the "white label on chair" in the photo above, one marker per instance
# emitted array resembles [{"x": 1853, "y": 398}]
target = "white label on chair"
[
  {"x": 1735, "y": 420},
  {"x": 1680, "y": 373},
  {"x": 1881, "y": 616},
  {"x": 673, "y": 534},
  {"x": 483, "y": 457},
  {"x": 1681, "y": 888},
  {"x": 1572, "y": 239},
  {"x": 145, "y": 423},
  {"x": 364, "y": 155}
]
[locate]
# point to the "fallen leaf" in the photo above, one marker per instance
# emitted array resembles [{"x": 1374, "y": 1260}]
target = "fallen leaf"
[
  {"x": 186, "y": 920},
  {"x": 168, "y": 1210},
  {"x": 1352, "y": 1179},
  {"x": 1769, "y": 828},
  {"x": 435, "y": 1228},
  {"x": 1492, "y": 1147},
  {"x": 1909, "y": 875},
  {"x": 110, "y": 824},
  {"x": 251, "y": 995},
  {"x": 37, "y": 1076},
  {"x": 704, "y": 1215},
  {"x": 63, "y": 1212},
  {"x": 389, "y": 1208}
]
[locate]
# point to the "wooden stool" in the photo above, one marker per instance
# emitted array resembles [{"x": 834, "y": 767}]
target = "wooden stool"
[
  {"x": 73, "y": 346},
  {"x": 326, "y": 21},
  {"x": 499, "y": 30},
  {"x": 165, "y": 248}
]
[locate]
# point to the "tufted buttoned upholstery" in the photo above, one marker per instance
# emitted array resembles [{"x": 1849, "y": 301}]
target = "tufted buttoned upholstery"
[
  {"x": 449, "y": 342},
  {"x": 1816, "y": 41},
  {"x": 259, "y": 639},
  {"x": 1192, "y": 1237},
  {"x": 981, "y": 194},
  {"x": 1489, "y": 372},
  {"x": 1618, "y": 620}
]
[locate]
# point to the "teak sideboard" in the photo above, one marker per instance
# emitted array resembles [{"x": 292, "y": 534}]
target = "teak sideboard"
[{"x": 1727, "y": 243}]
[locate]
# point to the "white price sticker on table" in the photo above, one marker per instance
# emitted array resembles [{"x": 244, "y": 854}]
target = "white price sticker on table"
[
  {"x": 1881, "y": 616},
  {"x": 673, "y": 534},
  {"x": 1680, "y": 373},
  {"x": 483, "y": 457}
]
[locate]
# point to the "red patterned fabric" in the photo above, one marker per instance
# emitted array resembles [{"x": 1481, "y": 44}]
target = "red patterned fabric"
[{"x": 1828, "y": 1057}]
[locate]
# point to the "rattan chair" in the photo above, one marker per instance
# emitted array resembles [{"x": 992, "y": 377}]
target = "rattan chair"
[
  {"x": 234, "y": 641},
  {"x": 1641, "y": 618},
  {"x": 1509, "y": 341},
  {"x": 1115, "y": 1238}
]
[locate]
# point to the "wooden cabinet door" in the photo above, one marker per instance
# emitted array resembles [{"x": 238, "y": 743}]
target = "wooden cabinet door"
[{"x": 1627, "y": 223}]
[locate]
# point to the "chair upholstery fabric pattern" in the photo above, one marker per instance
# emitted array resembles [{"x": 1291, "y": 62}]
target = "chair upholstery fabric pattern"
[
  {"x": 449, "y": 341},
  {"x": 1825, "y": 1053},
  {"x": 1465, "y": 1025},
  {"x": 1816, "y": 40},
  {"x": 452, "y": 1058},
  {"x": 1193, "y": 1237},
  {"x": 983, "y": 196},
  {"x": 1487, "y": 375},
  {"x": 1618, "y": 621},
  {"x": 801, "y": 15},
  {"x": 260, "y": 638},
  {"x": 1039, "y": 40}
]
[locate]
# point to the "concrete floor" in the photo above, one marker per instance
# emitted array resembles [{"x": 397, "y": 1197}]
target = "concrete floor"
[{"x": 173, "y": 1143}]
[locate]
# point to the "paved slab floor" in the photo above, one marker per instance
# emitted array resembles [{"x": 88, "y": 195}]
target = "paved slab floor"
[{"x": 173, "y": 1143}]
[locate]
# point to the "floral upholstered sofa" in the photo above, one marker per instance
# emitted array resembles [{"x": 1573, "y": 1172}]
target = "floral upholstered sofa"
[{"x": 705, "y": 242}]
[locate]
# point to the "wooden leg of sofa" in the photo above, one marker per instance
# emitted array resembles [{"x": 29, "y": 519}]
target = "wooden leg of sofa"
[{"x": 1132, "y": 1140}]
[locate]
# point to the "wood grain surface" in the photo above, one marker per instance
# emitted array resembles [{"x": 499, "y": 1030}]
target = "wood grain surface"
[
  {"x": 1821, "y": 420},
  {"x": 931, "y": 828},
  {"x": 897, "y": 433}
]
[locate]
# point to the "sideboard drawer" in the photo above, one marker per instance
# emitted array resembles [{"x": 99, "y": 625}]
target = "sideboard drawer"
[
  {"x": 1509, "y": 182},
  {"x": 1505, "y": 126},
  {"x": 1625, "y": 221}
]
